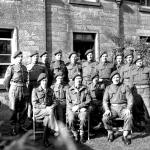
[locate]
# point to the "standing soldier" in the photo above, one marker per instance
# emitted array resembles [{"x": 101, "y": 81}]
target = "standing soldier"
[
  {"x": 59, "y": 66},
  {"x": 78, "y": 100},
  {"x": 73, "y": 67},
  {"x": 15, "y": 82},
  {"x": 140, "y": 79},
  {"x": 126, "y": 70},
  {"x": 104, "y": 68},
  {"x": 60, "y": 94},
  {"x": 46, "y": 64},
  {"x": 118, "y": 61},
  {"x": 96, "y": 93},
  {"x": 88, "y": 67},
  {"x": 34, "y": 70},
  {"x": 118, "y": 102}
]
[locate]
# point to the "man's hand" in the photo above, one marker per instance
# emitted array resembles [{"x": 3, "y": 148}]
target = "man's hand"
[
  {"x": 127, "y": 112},
  {"x": 75, "y": 108},
  {"x": 107, "y": 113}
]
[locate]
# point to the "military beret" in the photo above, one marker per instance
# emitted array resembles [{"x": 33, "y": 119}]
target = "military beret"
[
  {"x": 102, "y": 53},
  {"x": 88, "y": 51},
  {"x": 137, "y": 58},
  {"x": 71, "y": 54},
  {"x": 17, "y": 53},
  {"x": 118, "y": 54},
  {"x": 57, "y": 52},
  {"x": 58, "y": 74},
  {"x": 94, "y": 75},
  {"x": 114, "y": 73},
  {"x": 76, "y": 75},
  {"x": 45, "y": 52},
  {"x": 129, "y": 51},
  {"x": 41, "y": 77},
  {"x": 33, "y": 53}
]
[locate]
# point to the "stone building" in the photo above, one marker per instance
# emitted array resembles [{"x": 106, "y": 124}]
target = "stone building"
[{"x": 68, "y": 25}]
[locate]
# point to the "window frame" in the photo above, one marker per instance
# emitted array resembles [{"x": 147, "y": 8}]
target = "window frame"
[
  {"x": 85, "y": 2},
  {"x": 14, "y": 47}
]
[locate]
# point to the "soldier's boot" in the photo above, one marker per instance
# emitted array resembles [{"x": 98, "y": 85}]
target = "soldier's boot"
[
  {"x": 75, "y": 135},
  {"x": 45, "y": 137},
  {"x": 82, "y": 138},
  {"x": 110, "y": 136},
  {"x": 14, "y": 130}
]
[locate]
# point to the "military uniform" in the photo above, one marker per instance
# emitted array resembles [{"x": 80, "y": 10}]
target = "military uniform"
[
  {"x": 15, "y": 81},
  {"x": 118, "y": 98},
  {"x": 77, "y": 97},
  {"x": 87, "y": 69},
  {"x": 57, "y": 67},
  {"x": 104, "y": 70},
  {"x": 60, "y": 95},
  {"x": 72, "y": 69},
  {"x": 43, "y": 107},
  {"x": 140, "y": 79}
]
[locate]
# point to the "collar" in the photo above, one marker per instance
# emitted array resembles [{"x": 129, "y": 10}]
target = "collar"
[{"x": 73, "y": 88}]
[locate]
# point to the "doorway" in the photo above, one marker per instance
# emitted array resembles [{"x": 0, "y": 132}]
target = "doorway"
[{"x": 82, "y": 42}]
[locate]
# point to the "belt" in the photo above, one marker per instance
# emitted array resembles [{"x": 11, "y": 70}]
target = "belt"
[
  {"x": 142, "y": 86},
  {"x": 18, "y": 84}
]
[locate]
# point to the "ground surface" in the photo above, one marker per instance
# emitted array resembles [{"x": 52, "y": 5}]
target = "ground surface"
[{"x": 140, "y": 141}]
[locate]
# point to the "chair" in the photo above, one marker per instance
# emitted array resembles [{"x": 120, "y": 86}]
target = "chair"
[{"x": 35, "y": 129}]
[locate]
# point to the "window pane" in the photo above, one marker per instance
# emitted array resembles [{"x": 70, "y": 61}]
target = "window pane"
[
  {"x": 5, "y": 47},
  {"x": 5, "y": 59},
  {"x": 5, "y": 33},
  {"x": 2, "y": 70}
]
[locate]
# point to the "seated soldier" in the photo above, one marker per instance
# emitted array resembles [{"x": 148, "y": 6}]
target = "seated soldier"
[
  {"x": 118, "y": 102},
  {"x": 96, "y": 93},
  {"x": 78, "y": 99},
  {"x": 60, "y": 94},
  {"x": 43, "y": 107}
]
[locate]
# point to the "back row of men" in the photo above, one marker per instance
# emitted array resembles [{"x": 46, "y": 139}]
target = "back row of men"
[{"x": 133, "y": 74}]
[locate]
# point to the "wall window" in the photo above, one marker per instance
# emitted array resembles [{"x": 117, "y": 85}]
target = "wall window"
[
  {"x": 145, "y": 2},
  {"x": 7, "y": 46},
  {"x": 85, "y": 2},
  {"x": 145, "y": 39}
]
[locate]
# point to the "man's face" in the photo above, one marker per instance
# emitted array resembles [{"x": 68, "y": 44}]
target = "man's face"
[
  {"x": 78, "y": 81},
  {"x": 119, "y": 60},
  {"x": 129, "y": 59},
  {"x": 73, "y": 58},
  {"x": 89, "y": 56},
  {"x": 18, "y": 59},
  {"x": 43, "y": 83},
  {"x": 58, "y": 56},
  {"x": 104, "y": 58},
  {"x": 116, "y": 79},
  {"x": 95, "y": 80},
  {"x": 59, "y": 79},
  {"x": 35, "y": 58},
  {"x": 139, "y": 63},
  {"x": 44, "y": 58}
]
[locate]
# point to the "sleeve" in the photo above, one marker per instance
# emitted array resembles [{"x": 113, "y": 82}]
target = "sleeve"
[
  {"x": 129, "y": 98},
  {"x": 106, "y": 99},
  {"x": 35, "y": 102},
  {"x": 121, "y": 74},
  {"x": 68, "y": 99},
  {"x": 87, "y": 101},
  {"x": 7, "y": 78}
]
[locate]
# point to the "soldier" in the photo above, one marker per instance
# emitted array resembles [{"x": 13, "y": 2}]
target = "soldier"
[
  {"x": 118, "y": 61},
  {"x": 88, "y": 67},
  {"x": 118, "y": 102},
  {"x": 43, "y": 101},
  {"x": 104, "y": 68},
  {"x": 78, "y": 100},
  {"x": 73, "y": 67},
  {"x": 96, "y": 94},
  {"x": 46, "y": 64},
  {"x": 59, "y": 66},
  {"x": 126, "y": 69},
  {"x": 60, "y": 94},
  {"x": 34, "y": 70},
  {"x": 140, "y": 79},
  {"x": 15, "y": 82}
]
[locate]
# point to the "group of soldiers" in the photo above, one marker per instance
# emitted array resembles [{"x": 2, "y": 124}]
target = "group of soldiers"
[{"x": 69, "y": 92}]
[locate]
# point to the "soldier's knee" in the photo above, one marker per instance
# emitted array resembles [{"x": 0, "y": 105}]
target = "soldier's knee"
[{"x": 105, "y": 119}]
